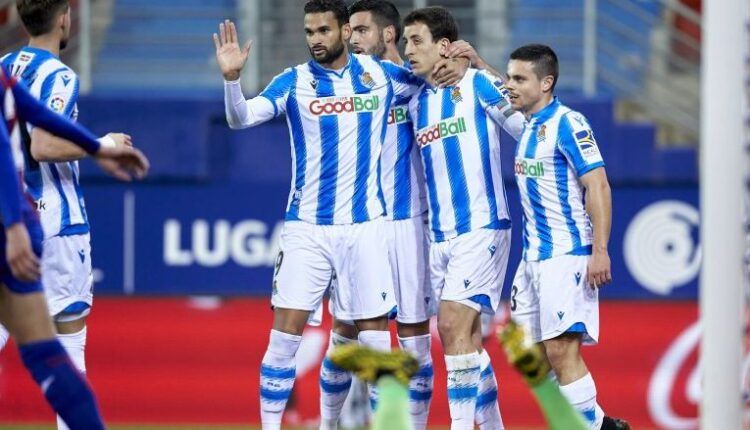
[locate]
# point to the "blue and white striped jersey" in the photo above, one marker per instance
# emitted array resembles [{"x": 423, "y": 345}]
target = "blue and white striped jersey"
[
  {"x": 54, "y": 186},
  {"x": 402, "y": 176},
  {"x": 557, "y": 148},
  {"x": 457, "y": 130},
  {"x": 337, "y": 123}
]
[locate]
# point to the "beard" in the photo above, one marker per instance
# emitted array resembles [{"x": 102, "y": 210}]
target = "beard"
[
  {"x": 330, "y": 54},
  {"x": 379, "y": 49}
]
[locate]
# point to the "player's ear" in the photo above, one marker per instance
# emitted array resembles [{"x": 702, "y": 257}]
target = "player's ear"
[
  {"x": 346, "y": 31},
  {"x": 389, "y": 34},
  {"x": 547, "y": 83},
  {"x": 444, "y": 45}
]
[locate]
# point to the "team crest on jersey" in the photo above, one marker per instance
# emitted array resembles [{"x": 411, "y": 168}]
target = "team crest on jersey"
[
  {"x": 456, "y": 95},
  {"x": 57, "y": 104},
  {"x": 314, "y": 84},
  {"x": 367, "y": 80},
  {"x": 541, "y": 134}
]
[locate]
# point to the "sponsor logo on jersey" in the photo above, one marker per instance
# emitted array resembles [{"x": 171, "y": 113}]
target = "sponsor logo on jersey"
[
  {"x": 531, "y": 168},
  {"x": 314, "y": 84},
  {"x": 398, "y": 115},
  {"x": 337, "y": 105},
  {"x": 441, "y": 130},
  {"x": 500, "y": 85}
]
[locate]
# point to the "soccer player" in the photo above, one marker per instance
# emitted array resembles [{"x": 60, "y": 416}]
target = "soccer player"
[
  {"x": 457, "y": 130},
  {"x": 51, "y": 176},
  {"x": 376, "y": 30},
  {"x": 565, "y": 237},
  {"x": 23, "y": 309},
  {"x": 336, "y": 107}
]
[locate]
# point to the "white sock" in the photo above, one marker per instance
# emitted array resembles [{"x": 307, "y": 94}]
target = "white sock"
[
  {"x": 334, "y": 386},
  {"x": 75, "y": 345},
  {"x": 277, "y": 373},
  {"x": 487, "y": 414},
  {"x": 463, "y": 385},
  {"x": 420, "y": 386},
  {"x": 582, "y": 396},
  {"x": 4, "y": 337},
  {"x": 379, "y": 341}
]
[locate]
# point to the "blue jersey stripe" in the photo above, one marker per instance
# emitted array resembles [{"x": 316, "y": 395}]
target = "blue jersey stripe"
[
  {"x": 64, "y": 207},
  {"x": 299, "y": 146},
  {"x": 561, "y": 179},
  {"x": 329, "y": 159},
  {"x": 540, "y": 216},
  {"x": 364, "y": 150},
  {"x": 422, "y": 122},
  {"x": 456, "y": 173},
  {"x": 480, "y": 118},
  {"x": 402, "y": 172},
  {"x": 79, "y": 192}
]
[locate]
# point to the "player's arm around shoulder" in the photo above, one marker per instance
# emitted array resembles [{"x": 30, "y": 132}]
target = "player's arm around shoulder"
[{"x": 494, "y": 97}]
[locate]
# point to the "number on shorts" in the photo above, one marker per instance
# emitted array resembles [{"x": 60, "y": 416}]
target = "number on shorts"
[{"x": 513, "y": 293}]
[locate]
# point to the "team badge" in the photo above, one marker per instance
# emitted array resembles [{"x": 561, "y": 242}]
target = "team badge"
[
  {"x": 541, "y": 134},
  {"x": 367, "y": 80},
  {"x": 456, "y": 95}
]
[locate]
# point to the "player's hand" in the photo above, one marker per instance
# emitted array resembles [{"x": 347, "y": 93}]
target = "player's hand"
[
  {"x": 23, "y": 262},
  {"x": 121, "y": 139},
  {"x": 229, "y": 55},
  {"x": 599, "y": 269},
  {"x": 462, "y": 48},
  {"x": 122, "y": 162},
  {"x": 449, "y": 71}
]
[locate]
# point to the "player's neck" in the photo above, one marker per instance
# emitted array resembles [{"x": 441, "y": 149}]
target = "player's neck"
[
  {"x": 339, "y": 63},
  {"x": 48, "y": 42},
  {"x": 392, "y": 55},
  {"x": 539, "y": 106}
]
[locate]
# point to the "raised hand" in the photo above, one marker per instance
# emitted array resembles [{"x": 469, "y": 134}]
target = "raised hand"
[{"x": 229, "y": 55}]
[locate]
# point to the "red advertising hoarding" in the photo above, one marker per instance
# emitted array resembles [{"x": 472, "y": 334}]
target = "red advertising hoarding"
[{"x": 180, "y": 361}]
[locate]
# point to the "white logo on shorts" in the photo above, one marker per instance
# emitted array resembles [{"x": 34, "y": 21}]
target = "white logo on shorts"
[{"x": 660, "y": 249}]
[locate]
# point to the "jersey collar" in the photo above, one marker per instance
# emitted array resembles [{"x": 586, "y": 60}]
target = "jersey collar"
[
  {"x": 318, "y": 69},
  {"x": 546, "y": 113}
]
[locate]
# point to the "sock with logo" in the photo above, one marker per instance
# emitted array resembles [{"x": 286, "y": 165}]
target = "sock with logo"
[
  {"x": 487, "y": 415},
  {"x": 277, "y": 373},
  {"x": 582, "y": 396},
  {"x": 334, "y": 386},
  {"x": 379, "y": 341},
  {"x": 463, "y": 385},
  {"x": 75, "y": 345},
  {"x": 420, "y": 385},
  {"x": 63, "y": 385}
]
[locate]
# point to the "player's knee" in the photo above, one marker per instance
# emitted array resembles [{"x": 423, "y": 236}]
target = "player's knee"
[{"x": 563, "y": 352}]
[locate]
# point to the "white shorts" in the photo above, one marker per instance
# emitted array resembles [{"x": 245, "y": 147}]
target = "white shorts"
[
  {"x": 552, "y": 297},
  {"x": 408, "y": 247},
  {"x": 66, "y": 275},
  {"x": 356, "y": 253},
  {"x": 470, "y": 268}
]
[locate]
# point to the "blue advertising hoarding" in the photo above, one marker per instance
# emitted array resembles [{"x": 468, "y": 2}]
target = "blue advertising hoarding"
[{"x": 223, "y": 239}]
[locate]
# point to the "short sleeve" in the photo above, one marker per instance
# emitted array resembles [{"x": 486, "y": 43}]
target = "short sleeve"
[
  {"x": 577, "y": 143},
  {"x": 60, "y": 92}
]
